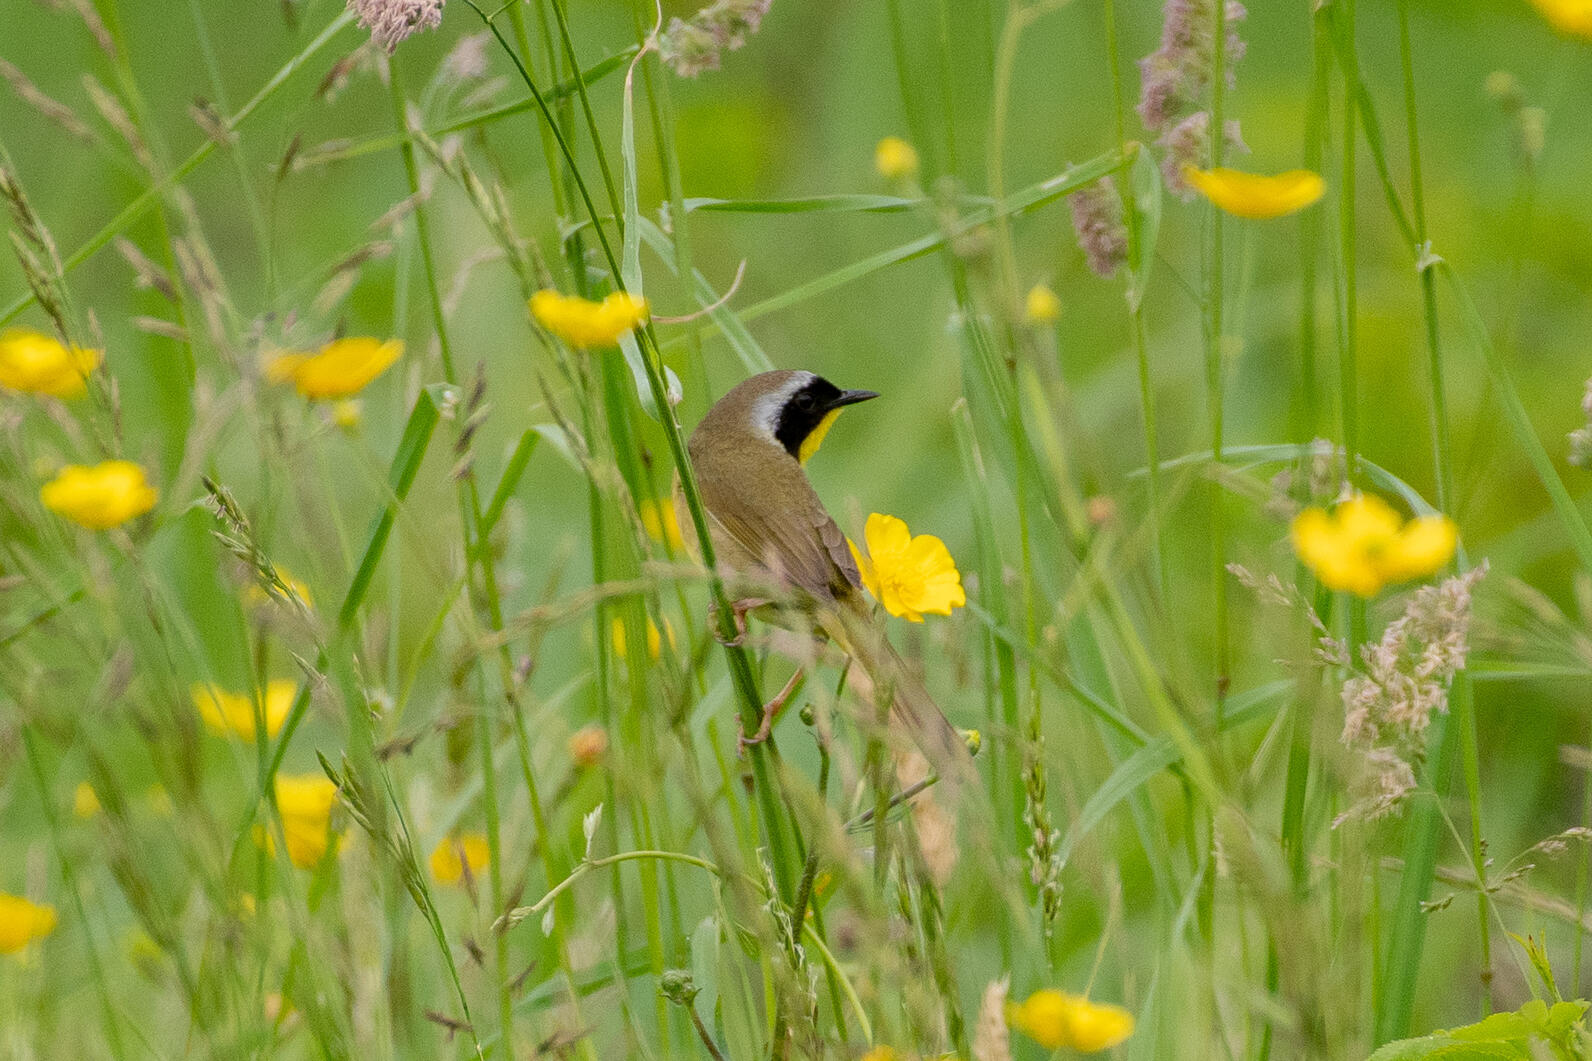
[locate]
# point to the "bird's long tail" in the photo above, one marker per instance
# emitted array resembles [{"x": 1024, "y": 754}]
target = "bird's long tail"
[{"x": 911, "y": 706}]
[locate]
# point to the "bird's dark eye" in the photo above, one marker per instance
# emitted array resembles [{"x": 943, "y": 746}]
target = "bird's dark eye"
[{"x": 805, "y": 402}]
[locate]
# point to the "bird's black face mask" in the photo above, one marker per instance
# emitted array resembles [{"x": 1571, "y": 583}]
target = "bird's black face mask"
[{"x": 808, "y": 414}]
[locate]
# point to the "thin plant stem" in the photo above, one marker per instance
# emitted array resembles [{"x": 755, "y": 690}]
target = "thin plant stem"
[{"x": 1214, "y": 389}]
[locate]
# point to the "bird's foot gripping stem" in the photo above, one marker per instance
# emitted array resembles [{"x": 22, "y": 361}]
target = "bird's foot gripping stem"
[
  {"x": 738, "y": 610},
  {"x": 771, "y": 711}
]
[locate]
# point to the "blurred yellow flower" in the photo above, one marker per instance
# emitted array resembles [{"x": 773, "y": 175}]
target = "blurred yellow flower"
[
  {"x": 22, "y": 922},
  {"x": 584, "y": 324},
  {"x": 1568, "y": 16},
  {"x": 342, "y": 368},
  {"x": 659, "y": 520},
  {"x": 895, "y": 159},
  {"x": 588, "y": 745},
  {"x": 456, "y": 853},
  {"x": 35, "y": 363},
  {"x": 1043, "y": 306},
  {"x": 1054, "y": 1019},
  {"x": 1364, "y": 545},
  {"x": 100, "y": 496},
  {"x": 232, "y": 714},
  {"x": 85, "y": 801},
  {"x": 346, "y": 414},
  {"x": 305, "y": 803},
  {"x": 908, "y": 575},
  {"x": 654, "y": 639},
  {"x": 1255, "y": 195}
]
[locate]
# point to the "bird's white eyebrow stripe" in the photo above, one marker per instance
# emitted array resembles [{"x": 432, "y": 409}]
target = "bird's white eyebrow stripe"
[{"x": 765, "y": 414}]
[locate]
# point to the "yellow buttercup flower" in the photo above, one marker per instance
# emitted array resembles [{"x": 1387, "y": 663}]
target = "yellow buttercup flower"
[
  {"x": 85, "y": 801},
  {"x": 456, "y": 853},
  {"x": 895, "y": 159},
  {"x": 585, "y": 324},
  {"x": 658, "y": 519},
  {"x": 232, "y": 714},
  {"x": 1364, "y": 545},
  {"x": 35, "y": 363},
  {"x": 305, "y": 803},
  {"x": 22, "y": 922},
  {"x": 654, "y": 639},
  {"x": 1054, "y": 1019},
  {"x": 908, "y": 575},
  {"x": 100, "y": 496},
  {"x": 1043, "y": 306},
  {"x": 881, "y": 1053},
  {"x": 341, "y": 369},
  {"x": 1568, "y": 16},
  {"x": 1254, "y": 195}
]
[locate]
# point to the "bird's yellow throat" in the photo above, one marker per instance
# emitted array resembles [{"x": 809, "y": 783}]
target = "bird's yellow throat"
[{"x": 815, "y": 437}]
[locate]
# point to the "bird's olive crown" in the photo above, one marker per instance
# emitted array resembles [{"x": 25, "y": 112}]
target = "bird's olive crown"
[{"x": 804, "y": 411}]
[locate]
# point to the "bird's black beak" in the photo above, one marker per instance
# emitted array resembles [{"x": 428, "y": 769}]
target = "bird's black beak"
[{"x": 852, "y": 398}]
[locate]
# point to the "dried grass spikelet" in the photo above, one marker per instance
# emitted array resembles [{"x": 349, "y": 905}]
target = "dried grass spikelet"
[
  {"x": 935, "y": 826},
  {"x": 52, "y": 109},
  {"x": 992, "y": 1040}
]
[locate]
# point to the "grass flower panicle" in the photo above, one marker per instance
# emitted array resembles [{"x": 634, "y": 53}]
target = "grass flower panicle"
[
  {"x": 908, "y": 574},
  {"x": 1363, "y": 545},
  {"x": 1581, "y": 437},
  {"x": 34, "y": 363},
  {"x": 99, "y": 496},
  {"x": 1256, "y": 196},
  {"x": 228, "y": 714},
  {"x": 1175, "y": 77},
  {"x": 454, "y": 856},
  {"x": 693, "y": 46},
  {"x": 1188, "y": 143},
  {"x": 1404, "y": 680},
  {"x": 895, "y": 159},
  {"x": 341, "y": 369},
  {"x": 1102, "y": 232},
  {"x": 1573, "y": 17},
  {"x": 1055, "y": 1019},
  {"x": 22, "y": 922},
  {"x": 391, "y": 22},
  {"x": 584, "y": 324}
]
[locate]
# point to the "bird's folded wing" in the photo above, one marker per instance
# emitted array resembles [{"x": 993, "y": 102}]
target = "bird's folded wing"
[{"x": 792, "y": 538}]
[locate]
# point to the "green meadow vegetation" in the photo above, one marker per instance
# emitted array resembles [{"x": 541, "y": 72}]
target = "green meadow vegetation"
[{"x": 363, "y": 690}]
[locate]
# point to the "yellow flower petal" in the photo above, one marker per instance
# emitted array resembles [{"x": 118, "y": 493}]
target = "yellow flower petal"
[
  {"x": 1363, "y": 545},
  {"x": 454, "y": 854},
  {"x": 85, "y": 801},
  {"x": 895, "y": 159},
  {"x": 1255, "y": 195},
  {"x": 584, "y": 324},
  {"x": 305, "y": 803},
  {"x": 341, "y": 369},
  {"x": 22, "y": 922},
  {"x": 1055, "y": 1019},
  {"x": 100, "y": 496},
  {"x": 659, "y": 520},
  {"x": 908, "y": 575},
  {"x": 1568, "y": 16},
  {"x": 232, "y": 714},
  {"x": 34, "y": 363},
  {"x": 1042, "y": 306}
]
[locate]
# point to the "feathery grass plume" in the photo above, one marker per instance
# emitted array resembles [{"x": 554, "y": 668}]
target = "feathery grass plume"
[
  {"x": 392, "y": 21},
  {"x": 1405, "y": 677},
  {"x": 1175, "y": 77},
  {"x": 1188, "y": 144},
  {"x": 1097, "y": 220},
  {"x": 694, "y": 46},
  {"x": 1581, "y": 437}
]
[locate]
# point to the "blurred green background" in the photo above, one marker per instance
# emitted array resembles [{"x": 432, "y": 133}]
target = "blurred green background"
[{"x": 797, "y": 112}]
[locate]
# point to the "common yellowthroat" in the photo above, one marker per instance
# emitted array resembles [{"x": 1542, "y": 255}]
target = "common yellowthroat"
[{"x": 770, "y": 530}]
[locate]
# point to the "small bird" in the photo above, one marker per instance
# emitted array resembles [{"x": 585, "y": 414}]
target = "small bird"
[{"x": 771, "y": 532}]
